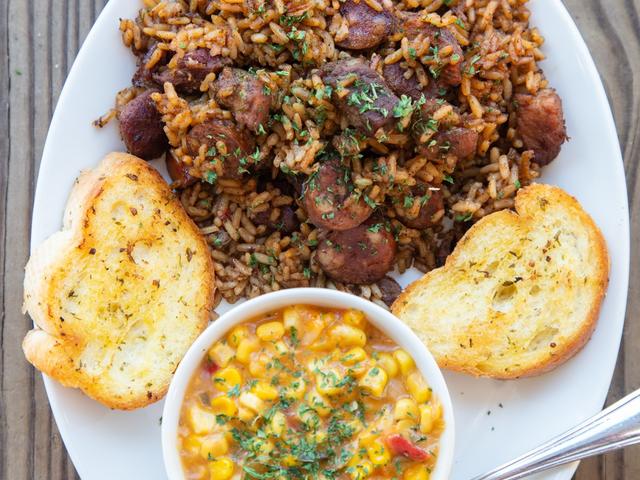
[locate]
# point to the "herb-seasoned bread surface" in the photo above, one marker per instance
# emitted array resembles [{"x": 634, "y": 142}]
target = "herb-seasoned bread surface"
[
  {"x": 519, "y": 295},
  {"x": 121, "y": 292}
]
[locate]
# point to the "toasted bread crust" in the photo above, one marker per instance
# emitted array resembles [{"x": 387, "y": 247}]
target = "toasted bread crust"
[
  {"x": 79, "y": 337},
  {"x": 529, "y": 203}
]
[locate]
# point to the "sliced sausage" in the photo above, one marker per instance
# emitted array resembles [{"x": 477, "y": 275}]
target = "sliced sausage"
[
  {"x": 369, "y": 103},
  {"x": 367, "y": 27},
  {"x": 395, "y": 77},
  {"x": 191, "y": 70},
  {"x": 457, "y": 142},
  {"x": 540, "y": 123},
  {"x": 141, "y": 127},
  {"x": 390, "y": 290},
  {"x": 237, "y": 145},
  {"x": 361, "y": 255},
  {"x": 179, "y": 172},
  {"x": 243, "y": 94},
  {"x": 413, "y": 24},
  {"x": 429, "y": 199},
  {"x": 330, "y": 199}
]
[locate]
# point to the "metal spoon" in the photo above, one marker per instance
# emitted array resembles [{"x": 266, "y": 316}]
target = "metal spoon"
[{"x": 615, "y": 427}]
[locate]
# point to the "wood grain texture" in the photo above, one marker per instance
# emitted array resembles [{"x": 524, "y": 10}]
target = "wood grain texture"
[{"x": 38, "y": 42}]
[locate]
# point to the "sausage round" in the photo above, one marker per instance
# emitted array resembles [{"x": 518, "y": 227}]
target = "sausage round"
[
  {"x": 141, "y": 127},
  {"x": 244, "y": 94},
  {"x": 191, "y": 70},
  {"x": 369, "y": 105},
  {"x": 361, "y": 255},
  {"x": 431, "y": 202},
  {"x": 540, "y": 123},
  {"x": 238, "y": 144},
  {"x": 178, "y": 171},
  {"x": 457, "y": 142},
  {"x": 367, "y": 27},
  {"x": 330, "y": 201}
]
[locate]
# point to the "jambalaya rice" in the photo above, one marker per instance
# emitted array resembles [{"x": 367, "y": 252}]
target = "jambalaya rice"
[{"x": 255, "y": 222}]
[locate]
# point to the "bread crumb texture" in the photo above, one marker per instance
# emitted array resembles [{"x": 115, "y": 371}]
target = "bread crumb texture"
[
  {"x": 119, "y": 294},
  {"x": 519, "y": 295}
]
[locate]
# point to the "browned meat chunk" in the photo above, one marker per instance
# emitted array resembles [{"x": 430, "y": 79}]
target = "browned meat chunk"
[
  {"x": 367, "y": 27},
  {"x": 330, "y": 200},
  {"x": 450, "y": 73},
  {"x": 423, "y": 203},
  {"x": 179, "y": 172},
  {"x": 225, "y": 144},
  {"x": 191, "y": 70},
  {"x": 541, "y": 124},
  {"x": 395, "y": 77},
  {"x": 243, "y": 94},
  {"x": 361, "y": 255},
  {"x": 141, "y": 128},
  {"x": 285, "y": 220},
  {"x": 369, "y": 103},
  {"x": 348, "y": 143},
  {"x": 143, "y": 76},
  {"x": 390, "y": 290},
  {"x": 457, "y": 142}
]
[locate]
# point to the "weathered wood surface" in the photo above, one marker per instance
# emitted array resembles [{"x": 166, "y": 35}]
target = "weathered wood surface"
[{"x": 38, "y": 42}]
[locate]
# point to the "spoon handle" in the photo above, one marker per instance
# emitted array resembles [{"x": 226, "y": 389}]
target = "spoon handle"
[{"x": 615, "y": 427}]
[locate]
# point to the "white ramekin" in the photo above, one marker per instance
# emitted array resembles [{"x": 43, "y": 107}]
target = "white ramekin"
[{"x": 321, "y": 297}]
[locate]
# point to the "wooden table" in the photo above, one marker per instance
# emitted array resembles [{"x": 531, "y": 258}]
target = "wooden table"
[{"x": 38, "y": 42}]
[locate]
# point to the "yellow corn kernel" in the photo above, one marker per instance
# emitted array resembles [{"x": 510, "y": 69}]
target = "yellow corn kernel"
[
  {"x": 277, "y": 424},
  {"x": 389, "y": 364},
  {"x": 291, "y": 318},
  {"x": 245, "y": 414},
  {"x": 378, "y": 453},
  {"x": 262, "y": 447},
  {"x": 329, "y": 382},
  {"x": 251, "y": 401},
  {"x": 348, "y": 336},
  {"x": 237, "y": 335},
  {"x": 227, "y": 378},
  {"x": 416, "y": 472},
  {"x": 429, "y": 415},
  {"x": 403, "y": 426},
  {"x": 404, "y": 361},
  {"x": 213, "y": 446},
  {"x": 310, "y": 334},
  {"x": 296, "y": 389},
  {"x": 319, "y": 403},
  {"x": 359, "y": 468},
  {"x": 191, "y": 444},
  {"x": 368, "y": 436},
  {"x": 264, "y": 391},
  {"x": 270, "y": 331},
  {"x": 221, "y": 469},
  {"x": 374, "y": 381},
  {"x": 201, "y": 420},
  {"x": 245, "y": 348},
  {"x": 353, "y": 356},
  {"x": 223, "y": 405},
  {"x": 354, "y": 318},
  {"x": 289, "y": 460},
  {"x": 258, "y": 365},
  {"x": 417, "y": 387},
  {"x": 281, "y": 348},
  {"x": 406, "y": 409},
  {"x": 221, "y": 354}
]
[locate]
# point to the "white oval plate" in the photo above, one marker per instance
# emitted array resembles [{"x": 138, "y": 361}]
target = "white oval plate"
[{"x": 496, "y": 420}]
